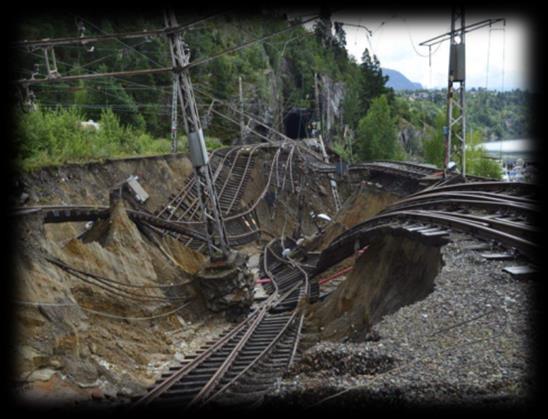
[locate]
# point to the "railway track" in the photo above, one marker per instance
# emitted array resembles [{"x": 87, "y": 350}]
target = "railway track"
[
  {"x": 78, "y": 213},
  {"x": 410, "y": 170},
  {"x": 241, "y": 366},
  {"x": 505, "y": 219},
  {"x": 243, "y": 380},
  {"x": 181, "y": 219},
  {"x": 231, "y": 172}
]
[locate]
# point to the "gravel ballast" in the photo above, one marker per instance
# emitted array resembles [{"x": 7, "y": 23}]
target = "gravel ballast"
[{"x": 466, "y": 343}]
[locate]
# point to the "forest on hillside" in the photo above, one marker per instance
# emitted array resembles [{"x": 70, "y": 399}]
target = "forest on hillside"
[
  {"x": 369, "y": 122},
  {"x": 497, "y": 115}
]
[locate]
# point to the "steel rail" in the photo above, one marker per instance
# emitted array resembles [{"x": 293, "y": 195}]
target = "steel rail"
[
  {"x": 221, "y": 371},
  {"x": 210, "y": 391},
  {"x": 243, "y": 178},
  {"x": 466, "y": 203},
  {"x": 252, "y": 363},
  {"x": 186, "y": 369},
  {"x": 473, "y": 195},
  {"x": 472, "y": 228},
  {"x": 516, "y": 229},
  {"x": 529, "y": 188},
  {"x": 191, "y": 180},
  {"x": 70, "y": 213},
  {"x": 194, "y": 205},
  {"x": 297, "y": 339}
]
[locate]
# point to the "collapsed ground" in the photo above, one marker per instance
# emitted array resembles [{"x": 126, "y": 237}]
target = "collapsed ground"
[{"x": 440, "y": 323}]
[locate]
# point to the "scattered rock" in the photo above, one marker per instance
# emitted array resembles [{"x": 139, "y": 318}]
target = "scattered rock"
[{"x": 44, "y": 374}]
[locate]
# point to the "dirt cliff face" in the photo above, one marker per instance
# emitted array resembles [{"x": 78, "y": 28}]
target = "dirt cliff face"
[
  {"x": 367, "y": 201},
  {"x": 109, "y": 322},
  {"x": 116, "y": 331},
  {"x": 393, "y": 272}
]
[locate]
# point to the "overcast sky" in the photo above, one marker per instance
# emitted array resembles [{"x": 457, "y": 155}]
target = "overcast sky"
[{"x": 396, "y": 44}]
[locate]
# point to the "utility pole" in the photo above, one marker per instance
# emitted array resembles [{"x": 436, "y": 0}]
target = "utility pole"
[
  {"x": 455, "y": 130},
  {"x": 319, "y": 114},
  {"x": 174, "y": 93},
  {"x": 328, "y": 112},
  {"x": 242, "y": 125},
  {"x": 215, "y": 229}
]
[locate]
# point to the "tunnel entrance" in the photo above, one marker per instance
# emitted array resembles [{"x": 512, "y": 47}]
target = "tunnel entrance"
[{"x": 296, "y": 123}]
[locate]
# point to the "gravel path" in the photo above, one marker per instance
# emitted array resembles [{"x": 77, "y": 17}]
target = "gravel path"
[{"x": 468, "y": 342}]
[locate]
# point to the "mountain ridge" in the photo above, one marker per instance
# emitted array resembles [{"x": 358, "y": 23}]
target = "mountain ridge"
[{"x": 398, "y": 81}]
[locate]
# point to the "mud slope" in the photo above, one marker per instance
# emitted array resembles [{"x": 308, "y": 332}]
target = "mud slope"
[
  {"x": 82, "y": 336},
  {"x": 368, "y": 200},
  {"x": 394, "y": 271}
]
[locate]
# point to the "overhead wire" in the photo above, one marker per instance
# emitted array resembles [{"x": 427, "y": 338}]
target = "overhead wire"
[
  {"x": 144, "y": 86},
  {"x": 230, "y": 50},
  {"x": 488, "y": 53},
  {"x": 413, "y": 43},
  {"x": 503, "y": 54},
  {"x": 108, "y": 285},
  {"x": 119, "y": 40}
]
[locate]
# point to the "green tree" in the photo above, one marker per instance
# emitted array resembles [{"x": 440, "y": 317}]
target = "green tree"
[
  {"x": 377, "y": 137},
  {"x": 477, "y": 161},
  {"x": 433, "y": 146},
  {"x": 372, "y": 81}
]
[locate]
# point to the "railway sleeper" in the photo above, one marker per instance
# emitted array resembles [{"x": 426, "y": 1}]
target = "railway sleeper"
[
  {"x": 245, "y": 351},
  {"x": 282, "y": 308},
  {"x": 177, "y": 393},
  {"x": 243, "y": 357},
  {"x": 264, "y": 335},
  {"x": 265, "y": 325}
]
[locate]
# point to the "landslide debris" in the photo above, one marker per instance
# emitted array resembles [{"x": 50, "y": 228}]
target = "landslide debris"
[
  {"x": 368, "y": 200},
  {"x": 393, "y": 272},
  {"x": 78, "y": 337}
]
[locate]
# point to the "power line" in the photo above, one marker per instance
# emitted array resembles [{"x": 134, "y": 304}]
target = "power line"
[
  {"x": 488, "y": 53},
  {"x": 469, "y": 28},
  {"x": 120, "y": 41},
  {"x": 102, "y": 313},
  {"x": 83, "y": 40},
  {"x": 98, "y": 80},
  {"x": 161, "y": 70},
  {"x": 79, "y": 66},
  {"x": 503, "y": 55},
  {"x": 430, "y": 53}
]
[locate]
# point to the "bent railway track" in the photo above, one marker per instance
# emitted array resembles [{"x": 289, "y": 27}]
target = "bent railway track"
[
  {"x": 232, "y": 168},
  {"x": 409, "y": 170},
  {"x": 505, "y": 219},
  {"x": 244, "y": 362},
  {"x": 242, "y": 365}
]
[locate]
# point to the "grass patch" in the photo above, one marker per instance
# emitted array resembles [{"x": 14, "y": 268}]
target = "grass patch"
[{"x": 53, "y": 137}]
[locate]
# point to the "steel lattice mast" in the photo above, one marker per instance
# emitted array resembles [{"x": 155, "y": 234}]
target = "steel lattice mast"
[
  {"x": 456, "y": 115},
  {"x": 455, "y": 131},
  {"x": 215, "y": 229}
]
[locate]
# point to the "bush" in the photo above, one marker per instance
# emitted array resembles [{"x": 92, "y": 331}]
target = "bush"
[
  {"x": 54, "y": 136},
  {"x": 477, "y": 161},
  {"x": 342, "y": 151}
]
